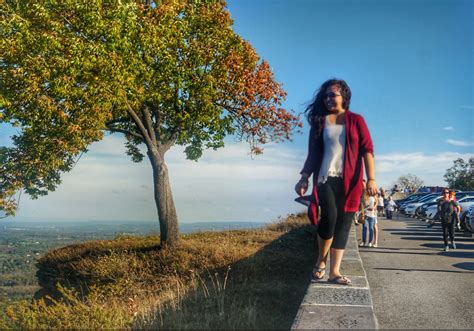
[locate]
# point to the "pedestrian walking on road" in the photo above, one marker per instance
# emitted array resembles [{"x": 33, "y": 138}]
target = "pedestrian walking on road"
[
  {"x": 380, "y": 198},
  {"x": 375, "y": 243},
  {"x": 445, "y": 213},
  {"x": 369, "y": 223},
  {"x": 391, "y": 205},
  {"x": 360, "y": 214},
  {"x": 339, "y": 146},
  {"x": 380, "y": 205}
]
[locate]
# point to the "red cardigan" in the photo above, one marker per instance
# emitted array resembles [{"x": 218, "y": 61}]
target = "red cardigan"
[{"x": 358, "y": 143}]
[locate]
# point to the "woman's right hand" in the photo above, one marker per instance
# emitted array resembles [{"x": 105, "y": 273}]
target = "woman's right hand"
[{"x": 301, "y": 187}]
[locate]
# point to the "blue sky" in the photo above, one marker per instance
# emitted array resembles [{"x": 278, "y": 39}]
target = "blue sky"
[{"x": 409, "y": 64}]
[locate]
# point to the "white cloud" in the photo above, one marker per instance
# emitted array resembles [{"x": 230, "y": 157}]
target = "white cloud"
[
  {"x": 448, "y": 128},
  {"x": 226, "y": 184},
  {"x": 459, "y": 143},
  {"x": 430, "y": 168}
]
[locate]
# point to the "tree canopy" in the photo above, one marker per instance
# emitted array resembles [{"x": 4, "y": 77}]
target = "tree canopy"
[
  {"x": 161, "y": 74},
  {"x": 461, "y": 175}
]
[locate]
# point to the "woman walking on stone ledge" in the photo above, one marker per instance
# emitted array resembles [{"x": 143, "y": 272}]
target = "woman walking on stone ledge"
[{"x": 339, "y": 141}]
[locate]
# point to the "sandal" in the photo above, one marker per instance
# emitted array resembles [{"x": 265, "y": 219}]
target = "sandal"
[
  {"x": 340, "y": 280},
  {"x": 321, "y": 271}
]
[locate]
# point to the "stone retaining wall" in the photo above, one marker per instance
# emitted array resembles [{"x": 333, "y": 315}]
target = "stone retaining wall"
[{"x": 331, "y": 306}]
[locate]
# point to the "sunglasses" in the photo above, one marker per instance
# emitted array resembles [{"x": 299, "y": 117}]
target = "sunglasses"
[
  {"x": 331, "y": 95},
  {"x": 445, "y": 192}
]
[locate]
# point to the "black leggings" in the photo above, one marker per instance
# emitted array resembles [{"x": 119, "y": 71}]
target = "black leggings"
[
  {"x": 448, "y": 228},
  {"x": 334, "y": 221}
]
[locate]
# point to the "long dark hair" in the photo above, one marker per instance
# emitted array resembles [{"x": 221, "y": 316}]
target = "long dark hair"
[{"x": 316, "y": 110}]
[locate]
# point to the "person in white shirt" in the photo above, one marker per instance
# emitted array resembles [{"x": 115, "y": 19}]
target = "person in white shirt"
[
  {"x": 339, "y": 149},
  {"x": 380, "y": 205},
  {"x": 390, "y": 207},
  {"x": 379, "y": 209},
  {"x": 370, "y": 217}
]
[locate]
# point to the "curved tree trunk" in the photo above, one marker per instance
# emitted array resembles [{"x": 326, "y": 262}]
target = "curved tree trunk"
[{"x": 169, "y": 231}]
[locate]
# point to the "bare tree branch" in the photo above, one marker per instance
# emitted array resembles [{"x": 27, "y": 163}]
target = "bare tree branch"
[
  {"x": 167, "y": 144},
  {"x": 149, "y": 125},
  {"x": 148, "y": 141}
]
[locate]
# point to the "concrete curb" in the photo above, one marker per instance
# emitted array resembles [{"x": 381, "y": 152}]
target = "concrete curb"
[{"x": 329, "y": 306}]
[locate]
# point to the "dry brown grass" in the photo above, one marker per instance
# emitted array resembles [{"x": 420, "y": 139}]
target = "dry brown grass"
[{"x": 230, "y": 279}]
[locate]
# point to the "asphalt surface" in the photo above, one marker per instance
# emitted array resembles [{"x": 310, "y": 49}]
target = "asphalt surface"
[{"x": 414, "y": 283}]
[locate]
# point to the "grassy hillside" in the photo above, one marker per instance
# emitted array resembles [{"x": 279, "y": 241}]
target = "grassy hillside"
[{"x": 230, "y": 279}]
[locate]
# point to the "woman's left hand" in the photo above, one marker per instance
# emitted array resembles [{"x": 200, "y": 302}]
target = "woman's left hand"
[{"x": 371, "y": 187}]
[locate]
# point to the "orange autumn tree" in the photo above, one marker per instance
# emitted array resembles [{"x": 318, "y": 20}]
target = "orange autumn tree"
[{"x": 162, "y": 74}]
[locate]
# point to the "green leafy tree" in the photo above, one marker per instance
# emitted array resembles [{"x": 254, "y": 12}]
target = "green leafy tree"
[
  {"x": 461, "y": 175},
  {"x": 410, "y": 182},
  {"x": 161, "y": 74}
]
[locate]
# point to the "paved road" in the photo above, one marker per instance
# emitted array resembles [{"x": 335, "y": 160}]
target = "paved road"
[{"x": 414, "y": 283}]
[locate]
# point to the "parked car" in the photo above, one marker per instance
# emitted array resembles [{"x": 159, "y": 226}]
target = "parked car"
[
  {"x": 410, "y": 207},
  {"x": 469, "y": 221},
  {"x": 422, "y": 211},
  {"x": 411, "y": 197},
  {"x": 402, "y": 206},
  {"x": 431, "y": 212},
  {"x": 465, "y": 203}
]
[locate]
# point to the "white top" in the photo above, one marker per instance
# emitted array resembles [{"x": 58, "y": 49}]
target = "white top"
[
  {"x": 391, "y": 205},
  {"x": 370, "y": 203},
  {"x": 380, "y": 201},
  {"x": 334, "y": 137}
]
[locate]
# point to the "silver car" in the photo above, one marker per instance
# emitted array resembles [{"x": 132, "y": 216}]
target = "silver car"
[{"x": 469, "y": 220}]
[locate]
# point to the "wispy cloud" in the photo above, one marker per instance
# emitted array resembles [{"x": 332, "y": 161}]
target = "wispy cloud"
[
  {"x": 461, "y": 143},
  {"x": 448, "y": 128}
]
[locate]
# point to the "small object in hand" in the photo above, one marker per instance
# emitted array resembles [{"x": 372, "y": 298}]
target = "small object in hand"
[
  {"x": 302, "y": 184},
  {"x": 305, "y": 200}
]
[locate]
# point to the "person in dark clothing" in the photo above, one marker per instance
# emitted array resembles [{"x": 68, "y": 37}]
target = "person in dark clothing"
[{"x": 445, "y": 214}]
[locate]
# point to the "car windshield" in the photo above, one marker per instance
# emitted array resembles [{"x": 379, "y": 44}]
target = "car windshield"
[
  {"x": 431, "y": 203},
  {"x": 417, "y": 196},
  {"x": 427, "y": 198},
  {"x": 460, "y": 195},
  {"x": 416, "y": 199}
]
